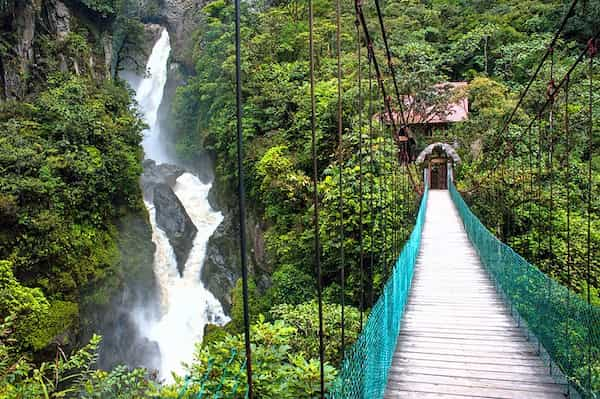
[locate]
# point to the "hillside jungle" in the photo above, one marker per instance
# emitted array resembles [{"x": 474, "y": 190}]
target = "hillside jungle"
[{"x": 70, "y": 161}]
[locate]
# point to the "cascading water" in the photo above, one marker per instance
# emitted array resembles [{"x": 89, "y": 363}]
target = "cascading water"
[
  {"x": 186, "y": 305},
  {"x": 149, "y": 95}
]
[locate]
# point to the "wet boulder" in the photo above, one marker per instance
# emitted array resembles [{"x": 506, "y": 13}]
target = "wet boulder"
[
  {"x": 154, "y": 175},
  {"x": 173, "y": 219}
]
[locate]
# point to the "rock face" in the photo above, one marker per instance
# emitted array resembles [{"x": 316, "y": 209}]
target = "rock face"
[
  {"x": 59, "y": 19},
  {"x": 33, "y": 22},
  {"x": 154, "y": 175},
  {"x": 21, "y": 17},
  {"x": 222, "y": 267},
  {"x": 181, "y": 18},
  {"x": 172, "y": 218},
  {"x": 157, "y": 183},
  {"x": 121, "y": 339},
  {"x": 133, "y": 63}
]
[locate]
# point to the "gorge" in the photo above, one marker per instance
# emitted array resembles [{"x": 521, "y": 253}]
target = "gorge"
[{"x": 186, "y": 306}]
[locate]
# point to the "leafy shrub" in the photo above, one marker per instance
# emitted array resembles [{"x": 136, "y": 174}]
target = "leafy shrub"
[
  {"x": 67, "y": 377},
  {"x": 305, "y": 318},
  {"x": 278, "y": 372}
]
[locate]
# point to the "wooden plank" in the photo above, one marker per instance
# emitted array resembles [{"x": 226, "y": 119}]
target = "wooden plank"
[
  {"x": 457, "y": 337},
  {"x": 490, "y": 359},
  {"x": 477, "y": 382},
  {"x": 451, "y": 334},
  {"x": 433, "y": 324},
  {"x": 500, "y": 344},
  {"x": 484, "y": 353},
  {"x": 500, "y": 393},
  {"x": 461, "y": 348},
  {"x": 467, "y": 365},
  {"x": 495, "y": 375},
  {"x": 424, "y": 395}
]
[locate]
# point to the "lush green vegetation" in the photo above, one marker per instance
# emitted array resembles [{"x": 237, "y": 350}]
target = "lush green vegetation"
[
  {"x": 66, "y": 377},
  {"x": 70, "y": 161}
]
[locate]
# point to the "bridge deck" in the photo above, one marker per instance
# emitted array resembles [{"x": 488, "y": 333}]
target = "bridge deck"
[{"x": 457, "y": 338}]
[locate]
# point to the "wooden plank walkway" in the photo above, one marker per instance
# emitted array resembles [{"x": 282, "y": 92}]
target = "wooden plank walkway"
[{"x": 457, "y": 339}]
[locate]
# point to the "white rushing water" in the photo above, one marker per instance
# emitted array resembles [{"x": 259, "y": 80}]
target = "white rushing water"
[
  {"x": 186, "y": 305},
  {"x": 149, "y": 95}
]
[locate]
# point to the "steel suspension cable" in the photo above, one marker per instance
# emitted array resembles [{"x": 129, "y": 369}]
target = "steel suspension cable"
[
  {"x": 341, "y": 172},
  {"x": 242, "y": 195},
  {"x": 360, "y": 176},
  {"x": 403, "y": 144},
  {"x": 549, "y": 51},
  {"x": 317, "y": 243},
  {"x": 568, "y": 203},
  {"x": 530, "y": 201},
  {"x": 552, "y": 98},
  {"x": 390, "y": 63},
  {"x": 551, "y": 95},
  {"x": 558, "y": 86},
  {"x": 382, "y": 207},
  {"x": 379, "y": 76},
  {"x": 372, "y": 183},
  {"x": 371, "y": 51},
  {"x": 539, "y": 196},
  {"x": 508, "y": 206},
  {"x": 395, "y": 245},
  {"x": 592, "y": 51}
]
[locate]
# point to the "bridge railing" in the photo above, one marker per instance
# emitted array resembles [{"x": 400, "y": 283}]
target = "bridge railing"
[
  {"x": 365, "y": 367},
  {"x": 566, "y": 327}
]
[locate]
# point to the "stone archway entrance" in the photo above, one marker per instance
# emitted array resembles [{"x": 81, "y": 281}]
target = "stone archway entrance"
[{"x": 438, "y": 160}]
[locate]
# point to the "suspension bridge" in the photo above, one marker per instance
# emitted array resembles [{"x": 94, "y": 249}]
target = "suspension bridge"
[
  {"x": 461, "y": 314},
  {"x": 457, "y": 337}
]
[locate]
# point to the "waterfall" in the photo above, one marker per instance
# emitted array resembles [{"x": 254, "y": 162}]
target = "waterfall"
[
  {"x": 149, "y": 95},
  {"x": 186, "y": 305}
]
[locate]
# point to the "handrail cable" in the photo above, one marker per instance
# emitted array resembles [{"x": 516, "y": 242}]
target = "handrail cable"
[
  {"x": 340, "y": 128},
  {"x": 387, "y": 99},
  {"x": 360, "y": 177},
  {"x": 549, "y": 50},
  {"x": 502, "y": 155},
  {"x": 317, "y": 244},
  {"x": 390, "y": 64},
  {"x": 592, "y": 51},
  {"x": 242, "y": 195}
]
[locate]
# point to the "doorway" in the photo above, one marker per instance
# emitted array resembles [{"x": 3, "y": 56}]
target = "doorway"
[{"x": 439, "y": 175}]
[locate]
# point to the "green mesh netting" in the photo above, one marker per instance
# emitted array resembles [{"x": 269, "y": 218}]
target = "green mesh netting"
[
  {"x": 365, "y": 367},
  {"x": 566, "y": 326}
]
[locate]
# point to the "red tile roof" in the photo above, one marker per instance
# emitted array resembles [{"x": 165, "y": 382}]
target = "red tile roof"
[{"x": 455, "y": 112}]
